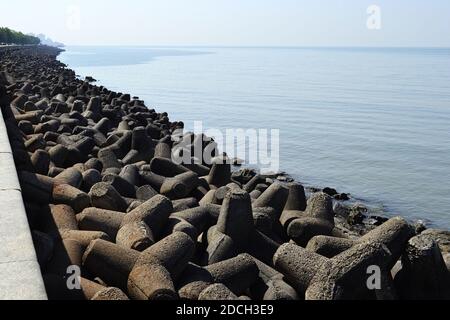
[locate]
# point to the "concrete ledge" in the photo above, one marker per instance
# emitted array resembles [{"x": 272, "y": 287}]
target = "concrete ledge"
[
  {"x": 8, "y": 174},
  {"x": 20, "y": 275},
  {"x": 21, "y": 280},
  {"x": 5, "y": 147}
]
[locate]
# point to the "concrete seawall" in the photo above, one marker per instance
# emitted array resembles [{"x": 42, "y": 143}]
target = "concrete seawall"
[{"x": 20, "y": 275}]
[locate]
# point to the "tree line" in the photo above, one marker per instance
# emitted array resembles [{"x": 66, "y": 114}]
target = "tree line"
[{"x": 9, "y": 36}]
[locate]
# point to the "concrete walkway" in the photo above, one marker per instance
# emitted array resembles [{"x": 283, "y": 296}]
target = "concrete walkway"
[{"x": 20, "y": 275}]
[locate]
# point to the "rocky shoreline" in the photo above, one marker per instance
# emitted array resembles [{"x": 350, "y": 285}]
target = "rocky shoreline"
[{"x": 104, "y": 197}]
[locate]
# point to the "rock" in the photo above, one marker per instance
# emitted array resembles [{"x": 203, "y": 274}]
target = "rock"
[
  {"x": 342, "y": 197},
  {"x": 151, "y": 282},
  {"x": 345, "y": 275},
  {"x": 357, "y": 214},
  {"x": 441, "y": 237},
  {"x": 104, "y": 196},
  {"x": 243, "y": 176},
  {"x": 217, "y": 292},
  {"x": 296, "y": 199},
  {"x": 376, "y": 220},
  {"x": 330, "y": 191},
  {"x": 237, "y": 162},
  {"x": 90, "y": 79},
  {"x": 110, "y": 262}
]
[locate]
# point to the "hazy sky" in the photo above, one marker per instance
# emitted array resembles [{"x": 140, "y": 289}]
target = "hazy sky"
[{"x": 232, "y": 22}]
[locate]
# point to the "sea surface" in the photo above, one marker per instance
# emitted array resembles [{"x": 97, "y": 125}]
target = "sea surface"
[{"x": 372, "y": 122}]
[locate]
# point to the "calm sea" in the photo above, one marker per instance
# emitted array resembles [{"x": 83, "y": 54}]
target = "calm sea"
[{"x": 371, "y": 122}]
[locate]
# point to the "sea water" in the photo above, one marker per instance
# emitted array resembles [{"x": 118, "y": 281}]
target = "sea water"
[{"x": 372, "y": 122}]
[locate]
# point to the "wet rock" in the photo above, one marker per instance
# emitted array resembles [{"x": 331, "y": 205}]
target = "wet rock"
[
  {"x": 330, "y": 191},
  {"x": 90, "y": 79},
  {"x": 357, "y": 214},
  {"x": 342, "y": 197}
]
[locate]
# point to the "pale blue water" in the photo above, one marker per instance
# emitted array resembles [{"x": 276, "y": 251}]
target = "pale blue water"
[{"x": 371, "y": 122}]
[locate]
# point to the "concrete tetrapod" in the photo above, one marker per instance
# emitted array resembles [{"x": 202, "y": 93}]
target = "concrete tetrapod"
[
  {"x": 235, "y": 231},
  {"x": 149, "y": 274},
  {"x": 318, "y": 219},
  {"x": 395, "y": 227},
  {"x": 424, "y": 274},
  {"x": 237, "y": 274},
  {"x": 344, "y": 276}
]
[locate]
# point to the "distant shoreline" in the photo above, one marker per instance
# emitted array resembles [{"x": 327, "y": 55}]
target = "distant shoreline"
[{"x": 252, "y": 47}]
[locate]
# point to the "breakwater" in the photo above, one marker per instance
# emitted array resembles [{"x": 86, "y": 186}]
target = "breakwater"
[{"x": 103, "y": 197}]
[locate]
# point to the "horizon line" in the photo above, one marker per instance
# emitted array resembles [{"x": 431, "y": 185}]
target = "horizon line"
[{"x": 258, "y": 46}]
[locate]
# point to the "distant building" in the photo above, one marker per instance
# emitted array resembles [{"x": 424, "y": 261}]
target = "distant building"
[{"x": 47, "y": 41}]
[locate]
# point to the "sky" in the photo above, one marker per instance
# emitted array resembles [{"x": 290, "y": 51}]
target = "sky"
[{"x": 398, "y": 23}]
